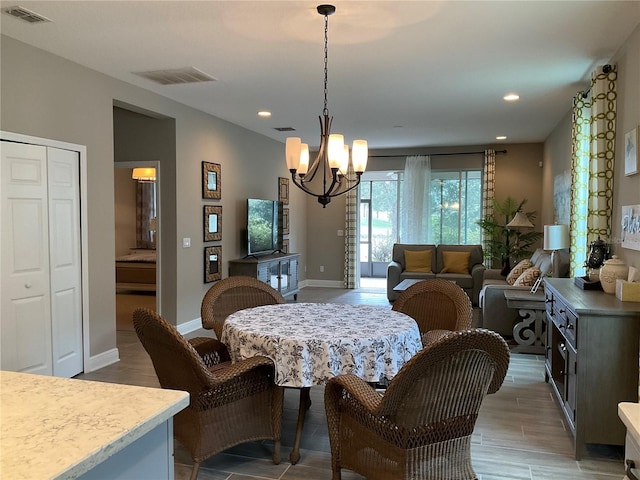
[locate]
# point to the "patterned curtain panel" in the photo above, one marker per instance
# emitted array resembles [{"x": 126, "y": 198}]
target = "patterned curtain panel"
[
  {"x": 415, "y": 212},
  {"x": 351, "y": 263},
  {"x": 145, "y": 215},
  {"x": 488, "y": 189},
  {"x": 351, "y": 233},
  {"x": 593, "y": 155}
]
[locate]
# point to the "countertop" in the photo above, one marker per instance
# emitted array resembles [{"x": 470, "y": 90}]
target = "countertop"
[
  {"x": 54, "y": 427},
  {"x": 629, "y": 413}
]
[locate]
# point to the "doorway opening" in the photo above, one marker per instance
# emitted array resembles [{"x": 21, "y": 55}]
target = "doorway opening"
[
  {"x": 378, "y": 210},
  {"x": 137, "y": 240}
]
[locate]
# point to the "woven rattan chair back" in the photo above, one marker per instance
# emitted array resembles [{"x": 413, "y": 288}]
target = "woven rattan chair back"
[
  {"x": 436, "y": 304},
  {"x": 177, "y": 364},
  {"x": 230, "y": 404},
  {"x": 421, "y": 427},
  {"x": 232, "y": 294}
]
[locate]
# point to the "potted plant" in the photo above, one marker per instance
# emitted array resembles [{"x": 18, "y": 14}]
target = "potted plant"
[{"x": 504, "y": 244}]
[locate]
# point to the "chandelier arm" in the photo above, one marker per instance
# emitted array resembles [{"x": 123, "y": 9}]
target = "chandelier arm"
[{"x": 342, "y": 192}]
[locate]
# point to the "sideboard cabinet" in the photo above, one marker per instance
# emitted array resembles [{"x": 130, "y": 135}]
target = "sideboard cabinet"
[
  {"x": 591, "y": 360},
  {"x": 280, "y": 270}
]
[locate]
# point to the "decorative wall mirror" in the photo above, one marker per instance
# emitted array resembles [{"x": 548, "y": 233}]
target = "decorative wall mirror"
[
  {"x": 212, "y": 223},
  {"x": 211, "y": 181},
  {"x": 212, "y": 264}
]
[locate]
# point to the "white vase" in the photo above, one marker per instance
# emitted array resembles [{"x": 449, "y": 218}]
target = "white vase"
[{"x": 611, "y": 270}]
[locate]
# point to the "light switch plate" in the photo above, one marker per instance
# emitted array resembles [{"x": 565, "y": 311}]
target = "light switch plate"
[{"x": 186, "y": 243}]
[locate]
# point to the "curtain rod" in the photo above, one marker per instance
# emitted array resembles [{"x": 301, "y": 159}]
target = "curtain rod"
[{"x": 433, "y": 154}]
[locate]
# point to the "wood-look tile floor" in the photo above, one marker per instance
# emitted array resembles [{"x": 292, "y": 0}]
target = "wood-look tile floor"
[{"x": 520, "y": 433}]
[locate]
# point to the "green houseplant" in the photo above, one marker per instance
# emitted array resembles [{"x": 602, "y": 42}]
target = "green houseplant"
[{"x": 504, "y": 245}]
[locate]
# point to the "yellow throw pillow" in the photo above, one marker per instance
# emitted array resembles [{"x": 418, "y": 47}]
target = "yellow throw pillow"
[
  {"x": 518, "y": 270},
  {"x": 528, "y": 277},
  {"x": 417, "y": 260},
  {"x": 455, "y": 262}
]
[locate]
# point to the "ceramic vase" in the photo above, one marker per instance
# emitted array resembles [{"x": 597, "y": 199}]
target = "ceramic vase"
[{"x": 611, "y": 270}]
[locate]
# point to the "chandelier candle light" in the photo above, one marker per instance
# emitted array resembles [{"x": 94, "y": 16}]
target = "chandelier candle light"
[{"x": 333, "y": 154}]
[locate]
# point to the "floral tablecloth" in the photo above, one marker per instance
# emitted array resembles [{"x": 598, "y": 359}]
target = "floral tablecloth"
[{"x": 312, "y": 342}]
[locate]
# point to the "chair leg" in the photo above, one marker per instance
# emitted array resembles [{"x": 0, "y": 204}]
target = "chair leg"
[
  {"x": 194, "y": 471},
  {"x": 276, "y": 452}
]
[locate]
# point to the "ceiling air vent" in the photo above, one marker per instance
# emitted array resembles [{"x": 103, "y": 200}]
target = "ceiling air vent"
[
  {"x": 24, "y": 14},
  {"x": 285, "y": 129},
  {"x": 177, "y": 76}
]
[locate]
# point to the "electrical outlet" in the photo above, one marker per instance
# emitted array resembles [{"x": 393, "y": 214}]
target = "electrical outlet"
[{"x": 341, "y": 233}]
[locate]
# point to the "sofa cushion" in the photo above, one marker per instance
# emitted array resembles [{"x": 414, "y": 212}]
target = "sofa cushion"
[
  {"x": 418, "y": 260},
  {"x": 399, "y": 249},
  {"x": 528, "y": 277},
  {"x": 455, "y": 262},
  {"x": 518, "y": 270}
]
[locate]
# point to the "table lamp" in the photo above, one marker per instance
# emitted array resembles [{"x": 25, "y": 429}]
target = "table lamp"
[{"x": 556, "y": 237}]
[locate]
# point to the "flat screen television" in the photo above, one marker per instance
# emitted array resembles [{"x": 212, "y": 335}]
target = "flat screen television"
[{"x": 262, "y": 226}]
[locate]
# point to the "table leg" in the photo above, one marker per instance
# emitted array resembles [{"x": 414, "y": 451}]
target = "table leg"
[{"x": 305, "y": 402}]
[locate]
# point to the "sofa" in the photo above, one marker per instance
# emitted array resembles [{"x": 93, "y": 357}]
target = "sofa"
[
  {"x": 496, "y": 315},
  {"x": 468, "y": 278}
]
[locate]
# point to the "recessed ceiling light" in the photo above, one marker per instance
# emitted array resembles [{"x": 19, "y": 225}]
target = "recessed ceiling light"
[
  {"x": 511, "y": 97},
  {"x": 264, "y": 114},
  {"x": 501, "y": 137}
]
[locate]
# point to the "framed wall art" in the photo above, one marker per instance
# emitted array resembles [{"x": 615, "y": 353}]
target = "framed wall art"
[
  {"x": 631, "y": 227},
  {"x": 285, "y": 245},
  {"x": 631, "y": 152},
  {"x": 283, "y": 190},
  {"x": 212, "y": 264},
  {"x": 212, "y": 223},
  {"x": 285, "y": 221},
  {"x": 211, "y": 181}
]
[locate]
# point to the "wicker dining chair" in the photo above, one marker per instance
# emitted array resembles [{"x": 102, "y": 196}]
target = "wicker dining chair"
[
  {"x": 438, "y": 306},
  {"x": 231, "y": 403},
  {"x": 232, "y": 294},
  {"x": 421, "y": 427}
]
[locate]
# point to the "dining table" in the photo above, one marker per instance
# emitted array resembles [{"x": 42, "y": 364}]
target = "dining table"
[{"x": 310, "y": 343}]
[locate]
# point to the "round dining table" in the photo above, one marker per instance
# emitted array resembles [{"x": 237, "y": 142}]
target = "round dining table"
[{"x": 310, "y": 343}]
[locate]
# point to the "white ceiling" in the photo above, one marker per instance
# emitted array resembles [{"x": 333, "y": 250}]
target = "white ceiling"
[{"x": 401, "y": 73}]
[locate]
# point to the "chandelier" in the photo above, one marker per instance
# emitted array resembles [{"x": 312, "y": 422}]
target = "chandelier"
[{"x": 333, "y": 155}]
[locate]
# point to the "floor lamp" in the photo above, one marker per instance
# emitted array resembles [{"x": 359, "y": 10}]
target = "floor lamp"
[
  {"x": 556, "y": 237},
  {"x": 519, "y": 220}
]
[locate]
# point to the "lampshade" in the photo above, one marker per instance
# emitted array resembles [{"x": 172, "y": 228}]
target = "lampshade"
[
  {"x": 144, "y": 174},
  {"x": 519, "y": 220},
  {"x": 556, "y": 237}
]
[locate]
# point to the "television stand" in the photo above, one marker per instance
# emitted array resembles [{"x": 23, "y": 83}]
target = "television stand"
[{"x": 280, "y": 270}]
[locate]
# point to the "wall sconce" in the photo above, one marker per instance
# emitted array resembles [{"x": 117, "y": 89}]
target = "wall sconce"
[{"x": 556, "y": 237}]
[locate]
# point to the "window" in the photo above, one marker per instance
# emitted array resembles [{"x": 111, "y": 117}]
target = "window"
[{"x": 456, "y": 206}]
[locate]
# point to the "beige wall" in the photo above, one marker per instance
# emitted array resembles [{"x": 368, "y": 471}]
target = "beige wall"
[
  {"x": 47, "y": 96},
  {"x": 557, "y": 150}
]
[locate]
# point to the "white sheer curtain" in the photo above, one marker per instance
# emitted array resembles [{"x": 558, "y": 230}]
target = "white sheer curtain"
[{"x": 415, "y": 211}]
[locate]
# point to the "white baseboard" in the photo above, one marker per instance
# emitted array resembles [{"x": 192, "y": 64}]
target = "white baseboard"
[
  {"x": 101, "y": 360},
  {"x": 190, "y": 326}
]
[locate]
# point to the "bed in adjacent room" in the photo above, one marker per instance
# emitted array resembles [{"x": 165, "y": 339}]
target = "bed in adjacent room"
[{"x": 136, "y": 271}]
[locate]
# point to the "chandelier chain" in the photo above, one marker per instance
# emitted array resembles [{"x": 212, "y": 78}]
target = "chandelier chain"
[{"x": 325, "y": 111}]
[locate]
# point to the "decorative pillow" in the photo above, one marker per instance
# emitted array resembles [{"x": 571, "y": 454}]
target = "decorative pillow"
[
  {"x": 455, "y": 262},
  {"x": 518, "y": 270},
  {"x": 528, "y": 277},
  {"x": 417, "y": 260}
]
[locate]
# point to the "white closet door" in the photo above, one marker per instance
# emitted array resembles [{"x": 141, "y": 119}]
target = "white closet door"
[
  {"x": 64, "y": 254},
  {"x": 25, "y": 292}
]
